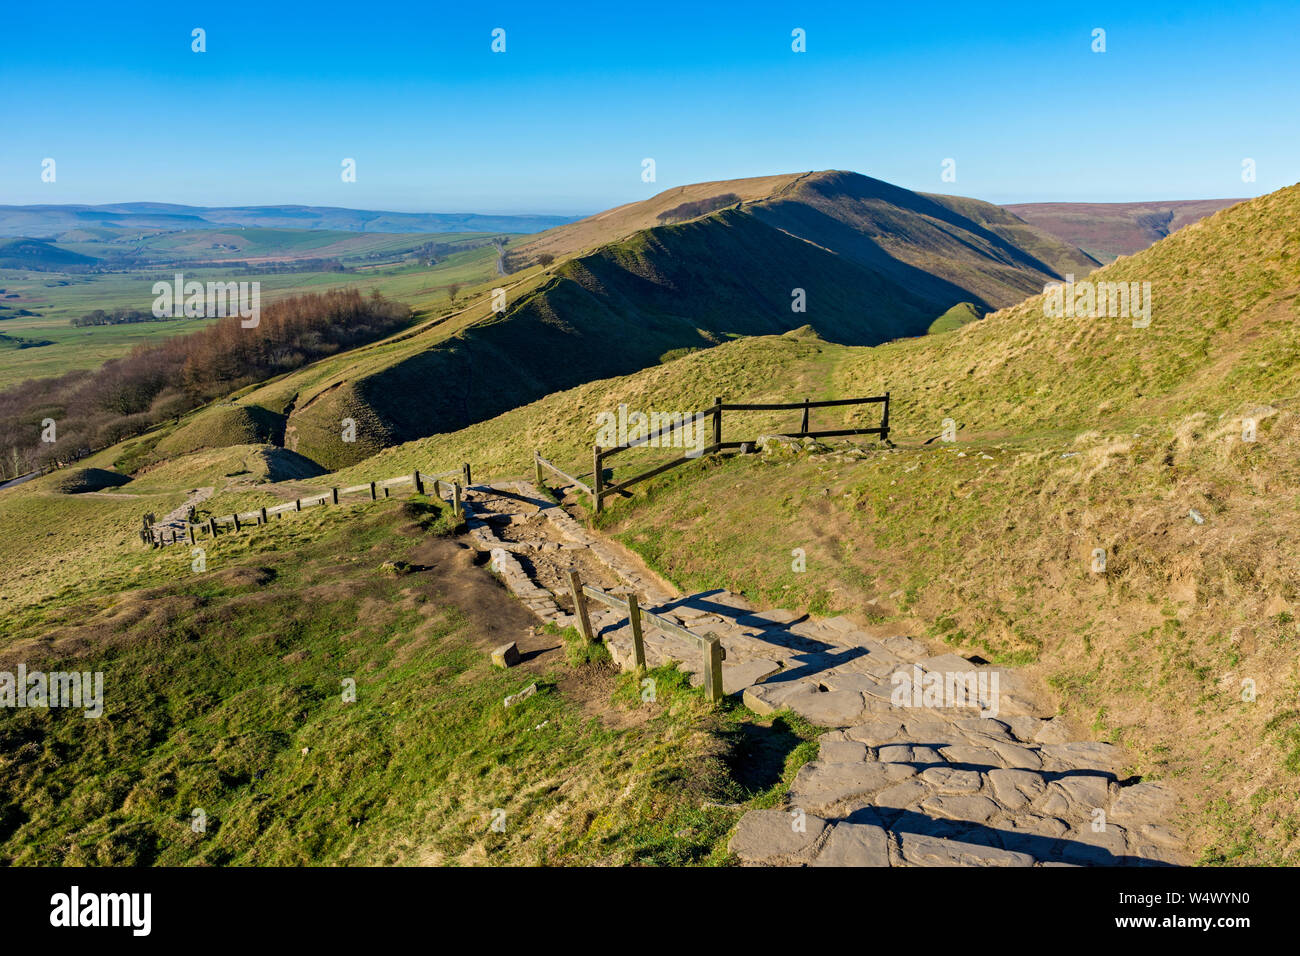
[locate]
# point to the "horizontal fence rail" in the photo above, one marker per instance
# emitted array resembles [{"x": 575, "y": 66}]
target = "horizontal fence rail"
[
  {"x": 711, "y": 649},
  {"x": 418, "y": 481},
  {"x": 599, "y": 490},
  {"x": 539, "y": 463}
]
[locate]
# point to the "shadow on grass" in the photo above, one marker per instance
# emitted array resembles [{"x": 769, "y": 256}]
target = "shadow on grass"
[{"x": 758, "y": 753}]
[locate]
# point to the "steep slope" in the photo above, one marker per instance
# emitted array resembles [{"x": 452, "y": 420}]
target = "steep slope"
[
  {"x": 622, "y": 221},
  {"x": 1109, "y": 230},
  {"x": 858, "y": 260},
  {"x": 944, "y": 248},
  {"x": 1173, "y": 449}
]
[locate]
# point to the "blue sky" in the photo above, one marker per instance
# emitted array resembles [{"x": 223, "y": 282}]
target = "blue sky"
[{"x": 561, "y": 121}]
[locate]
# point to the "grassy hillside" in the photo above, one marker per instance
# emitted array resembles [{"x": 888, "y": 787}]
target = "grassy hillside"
[
  {"x": 620, "y": 222},
  {"x": 38, "y": 255},
  {"x": 1107, "y": 231},
  {"x": 944, "y": 249},
  {"x": 963, "y": 313},
  {"x": 871, "y": 262},
  {"x": 1074, "y": 434},
  {"x": 224, "y": 693}
]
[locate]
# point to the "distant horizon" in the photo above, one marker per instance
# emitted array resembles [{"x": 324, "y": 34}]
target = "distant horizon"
[{"x": 512, "y": 212}]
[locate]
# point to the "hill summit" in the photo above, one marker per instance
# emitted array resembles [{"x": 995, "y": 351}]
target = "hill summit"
[{"x": 859, "y": 260}]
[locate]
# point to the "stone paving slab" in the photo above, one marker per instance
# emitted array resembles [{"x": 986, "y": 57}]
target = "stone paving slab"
[
  {"x": 936, "y": 787},
  {"x": 900, "y": 780}
]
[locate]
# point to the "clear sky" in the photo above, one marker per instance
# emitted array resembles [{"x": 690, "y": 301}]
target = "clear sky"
[{"x": 561, "y": 121}]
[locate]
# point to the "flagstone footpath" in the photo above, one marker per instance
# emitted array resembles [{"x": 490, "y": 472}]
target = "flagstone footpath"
[{"x": 896, "y": 783}]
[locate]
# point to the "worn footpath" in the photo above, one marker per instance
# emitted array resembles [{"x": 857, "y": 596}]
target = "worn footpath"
[{"x": 901, "y": 779}]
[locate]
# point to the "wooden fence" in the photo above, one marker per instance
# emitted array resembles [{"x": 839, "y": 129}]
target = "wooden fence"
[
  {"x": 599, "y": 491},
  {"x": 371, "y": 490},
  {"x": 711, "y": 648}
]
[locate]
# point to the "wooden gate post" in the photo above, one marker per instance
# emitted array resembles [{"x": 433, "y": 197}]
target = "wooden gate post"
[
  {"x": 580, "y": 607},
  {"x": 468, "y": 480},
  {"x": 415, "y": 480},
  {"x": 235, "y": 519},
  {"x": 713, "y": 669},
  {"x": 212, "y": 526},
  {"x": 262, "y": 516},
  {"x": 717, "y": 421},
  {"x": 189, "y": 530},
  {"x": 334, "y": 496},
  {"x": 455, "y": 503},
  {"x": 638, "y": 642},
  {"x": 537, "y": 468},
  {"x": 884, "y": 422},
  {"x": 598, "y": 482},
  {"x": 803, "y": 427},
  {"x": 373, "y": 496}
]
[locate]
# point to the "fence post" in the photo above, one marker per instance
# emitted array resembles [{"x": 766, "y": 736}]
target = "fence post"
[
  {"x": 212, "y": 526},
  {"x": 455, "y": 502},
  {"x": 884, "y": 422},
  {"x": 235, "y": 519},
  {"x": 597, "y": 481},
  {"x": 334, "y": 496},
  {"x": 717, "y": 421},
  {"x": 638, "y": 642},
  {"x": 580, "y": 607},
  {"x": 189, "y": 530},
  {"x": 537, "y": 468},
  {"x": 262, "y": 517},
  {"x": 803, "y": 427},
  {"x": 415, "y": 480},
  {"x": 713, "y": 669},
  {"x": 468, "y": 480}
]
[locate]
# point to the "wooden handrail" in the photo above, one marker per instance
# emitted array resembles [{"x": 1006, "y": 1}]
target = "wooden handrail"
[
  {"x": 539, "y": 463},
  {"x": 710, "y": 647}
]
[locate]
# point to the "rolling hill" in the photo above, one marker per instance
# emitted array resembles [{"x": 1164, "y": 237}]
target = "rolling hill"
[
  {"x": 1109, "y": 230},
  {"x": 868, "y": 261},
  {"x": 40, "y": 256},
  {"x": 1073, "y": 434},
  {"x": 1172, "y": 449},
  {"x": 50, "y": 221}
]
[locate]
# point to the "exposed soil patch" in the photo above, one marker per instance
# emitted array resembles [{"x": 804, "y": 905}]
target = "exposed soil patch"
[{"x": 448, "y": 573}]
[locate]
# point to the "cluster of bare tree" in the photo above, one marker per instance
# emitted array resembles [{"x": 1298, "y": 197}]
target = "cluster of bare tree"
[
  {"x": 116, "y": 317},
  {"x": 94, "y": 409}
]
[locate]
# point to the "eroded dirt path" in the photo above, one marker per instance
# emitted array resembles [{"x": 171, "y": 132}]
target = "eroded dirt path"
[{"x": 174, "y": 522}]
